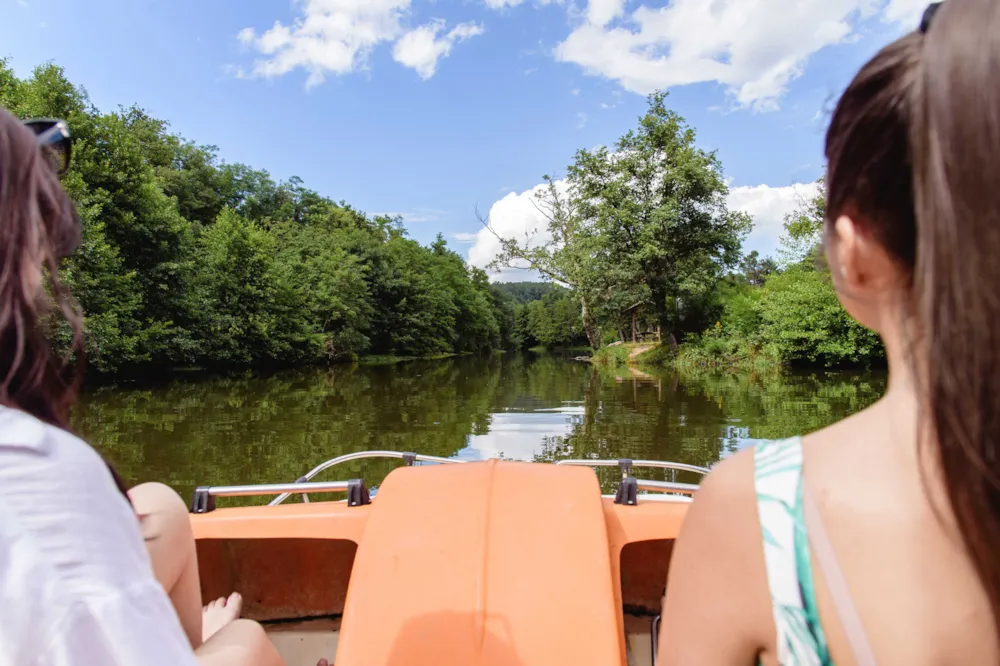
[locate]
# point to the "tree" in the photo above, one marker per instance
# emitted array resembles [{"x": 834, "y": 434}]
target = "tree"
[
  {"x": 564, "y": 252},
  {"x": 803, "y": 236},
  {"x": 755, "y": 270},
  {"x": 656, "y": 209},
  {"x": 188, "y": 260}
]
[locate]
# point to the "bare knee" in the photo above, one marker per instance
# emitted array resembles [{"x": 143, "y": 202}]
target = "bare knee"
[
  {"x": 156, "y": 498},
  {"x": 239, "y": 642},
  {"x": 166, "y": 529},
  {"x": 161, "y": 511}
]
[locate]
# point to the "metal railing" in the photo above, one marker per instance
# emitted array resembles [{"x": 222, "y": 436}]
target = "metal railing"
[
  {"x": 357, "y": 494},
  {"x": 660, "y": 464},
  {"x": 277, "y": 488},
  {"x": 629, "y": 486},
  {"x": 410, "y": 458}
]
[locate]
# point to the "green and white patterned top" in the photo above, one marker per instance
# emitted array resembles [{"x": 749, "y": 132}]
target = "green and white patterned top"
[{"x": 778, "y": 484}]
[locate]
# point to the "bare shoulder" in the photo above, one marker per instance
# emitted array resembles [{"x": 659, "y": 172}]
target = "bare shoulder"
[
  {"x": 717, "y": 607},
  {"x": 723, "y": 516}
]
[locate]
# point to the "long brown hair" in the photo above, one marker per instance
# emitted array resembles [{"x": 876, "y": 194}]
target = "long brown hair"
[
  {"x": 914, "y": 149},
  {"x": 38, "y": 227}
]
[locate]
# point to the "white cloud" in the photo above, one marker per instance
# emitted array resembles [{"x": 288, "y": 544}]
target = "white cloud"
[
  {"x": 905, "y": 12},
  {"x": 768, "y": 206},
  {"x": 501, "y": 4},
  {"x": 575, "y": 92},
  {"x": 601, "y": 12},
  {"x": 336, "y": 37},
  {"x": 753, "y": 48},
  {"x": 421, "y": 48},
  {"x": 464, "y": 237},
  {"x": 516, "y": 216},
  {"x": 581, "y": 120}
]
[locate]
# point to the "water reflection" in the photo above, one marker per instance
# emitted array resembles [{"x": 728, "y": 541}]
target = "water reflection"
[{"x": 254, "y": 429}]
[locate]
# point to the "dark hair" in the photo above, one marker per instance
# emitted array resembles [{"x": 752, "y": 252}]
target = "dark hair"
[
  {"x": 914, "y": 150},
  {"x": 38, "y": 227}
]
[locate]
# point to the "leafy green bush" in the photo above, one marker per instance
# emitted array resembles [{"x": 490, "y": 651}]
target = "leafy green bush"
[{"x": 802, "y": 317}]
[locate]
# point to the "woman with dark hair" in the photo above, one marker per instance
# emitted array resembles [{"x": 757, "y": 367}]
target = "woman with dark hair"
[
  {"x": 878, "y": 538},
  {"x": 84, "y": 566}
]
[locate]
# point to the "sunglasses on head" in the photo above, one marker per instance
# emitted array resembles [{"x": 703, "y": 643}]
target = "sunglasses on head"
[{"x": 53, "y": 140}]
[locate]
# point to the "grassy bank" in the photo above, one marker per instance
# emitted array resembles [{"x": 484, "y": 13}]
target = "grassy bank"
[
  {"x": 623, "y": 354},
  {"x": 729, "y": 356},
  {"x": 715, "y": 354}
]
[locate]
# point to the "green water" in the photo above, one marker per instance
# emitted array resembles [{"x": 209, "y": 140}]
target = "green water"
[{"x": 269, "y": 429}]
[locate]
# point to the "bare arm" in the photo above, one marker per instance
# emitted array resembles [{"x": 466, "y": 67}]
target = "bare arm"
[{"x": 717, "y": 608}]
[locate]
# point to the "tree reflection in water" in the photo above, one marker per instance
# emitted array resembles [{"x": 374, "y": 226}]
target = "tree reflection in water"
[{"x": 273, "y": 428}]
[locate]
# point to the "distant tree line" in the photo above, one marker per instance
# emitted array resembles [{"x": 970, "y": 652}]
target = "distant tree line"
[
  {"x": 189, "y": 260},
  {"x": 543, "y": 315}
]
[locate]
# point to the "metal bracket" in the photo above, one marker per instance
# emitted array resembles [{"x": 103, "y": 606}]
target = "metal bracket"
[
  {"x": 654, "y": 635},
  {"x": 628, "y": 492},
  {"x": 409, "y": 459},
  {"x": 305, "y": 496},
  {"x": 626, "y": 466},
  {"x": 202, "y": 501},
  {"x": 357, "y": 493},
  {"x": 628, "y": 489}
]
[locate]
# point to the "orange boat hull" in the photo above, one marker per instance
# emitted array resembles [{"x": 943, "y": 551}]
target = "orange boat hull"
[{"x": 495, "y": 563}]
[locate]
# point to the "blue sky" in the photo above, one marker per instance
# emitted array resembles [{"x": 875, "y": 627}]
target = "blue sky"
[{"x": 432, "y": 108}]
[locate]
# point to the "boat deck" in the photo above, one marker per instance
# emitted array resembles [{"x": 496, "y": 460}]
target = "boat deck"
[{"x": 304, "y": 643}]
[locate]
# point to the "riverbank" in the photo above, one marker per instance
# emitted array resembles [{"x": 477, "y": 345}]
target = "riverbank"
[
  {"x": 690, "y": 356},
  {"x": 629, "y": 353},
  {"x": 715, "y": 355}
]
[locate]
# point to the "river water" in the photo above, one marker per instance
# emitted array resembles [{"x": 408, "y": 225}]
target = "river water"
[{"x": 274, "y": 428}]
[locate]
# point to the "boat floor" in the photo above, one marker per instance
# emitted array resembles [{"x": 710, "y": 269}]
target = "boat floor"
[{"x": 306, "y": 642}]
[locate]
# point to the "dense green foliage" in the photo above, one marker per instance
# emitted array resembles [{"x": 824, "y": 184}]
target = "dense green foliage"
[
  {"x": 189, "y": 260},
  {"x": 790, "y": 316}
]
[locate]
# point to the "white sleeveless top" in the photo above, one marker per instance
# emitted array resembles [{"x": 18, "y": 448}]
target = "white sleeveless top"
[{"x": 76, "y": 584}]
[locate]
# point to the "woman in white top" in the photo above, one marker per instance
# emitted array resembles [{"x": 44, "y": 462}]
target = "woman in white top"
[{"x": 85, "y": 577}]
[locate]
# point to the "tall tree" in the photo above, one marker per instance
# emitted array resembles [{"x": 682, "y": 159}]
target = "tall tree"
[{"x": 656, "y": 206}]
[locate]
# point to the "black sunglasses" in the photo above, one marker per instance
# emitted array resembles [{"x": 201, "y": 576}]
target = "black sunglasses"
[{"x": 53, "y": 140}]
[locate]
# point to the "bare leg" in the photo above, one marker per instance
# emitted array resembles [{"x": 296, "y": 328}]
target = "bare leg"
[
  {"x": 166, "y": 528},
  {"x": 216, "y": 636},
  {"x": 241, "y": 642}
]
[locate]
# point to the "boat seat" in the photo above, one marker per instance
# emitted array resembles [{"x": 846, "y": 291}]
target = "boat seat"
[{"x": 494, "y": 563}]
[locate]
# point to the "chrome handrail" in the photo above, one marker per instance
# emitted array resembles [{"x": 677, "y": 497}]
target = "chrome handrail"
[
  {"x": 203, "y": 499},
  {"x": 667, "y": 486},
  {"x": 660, "y": 464},
  {"x": 630, "y": 486},
  {"x": 358, "y": 455},
  {"x": 277, "y": 488}
]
